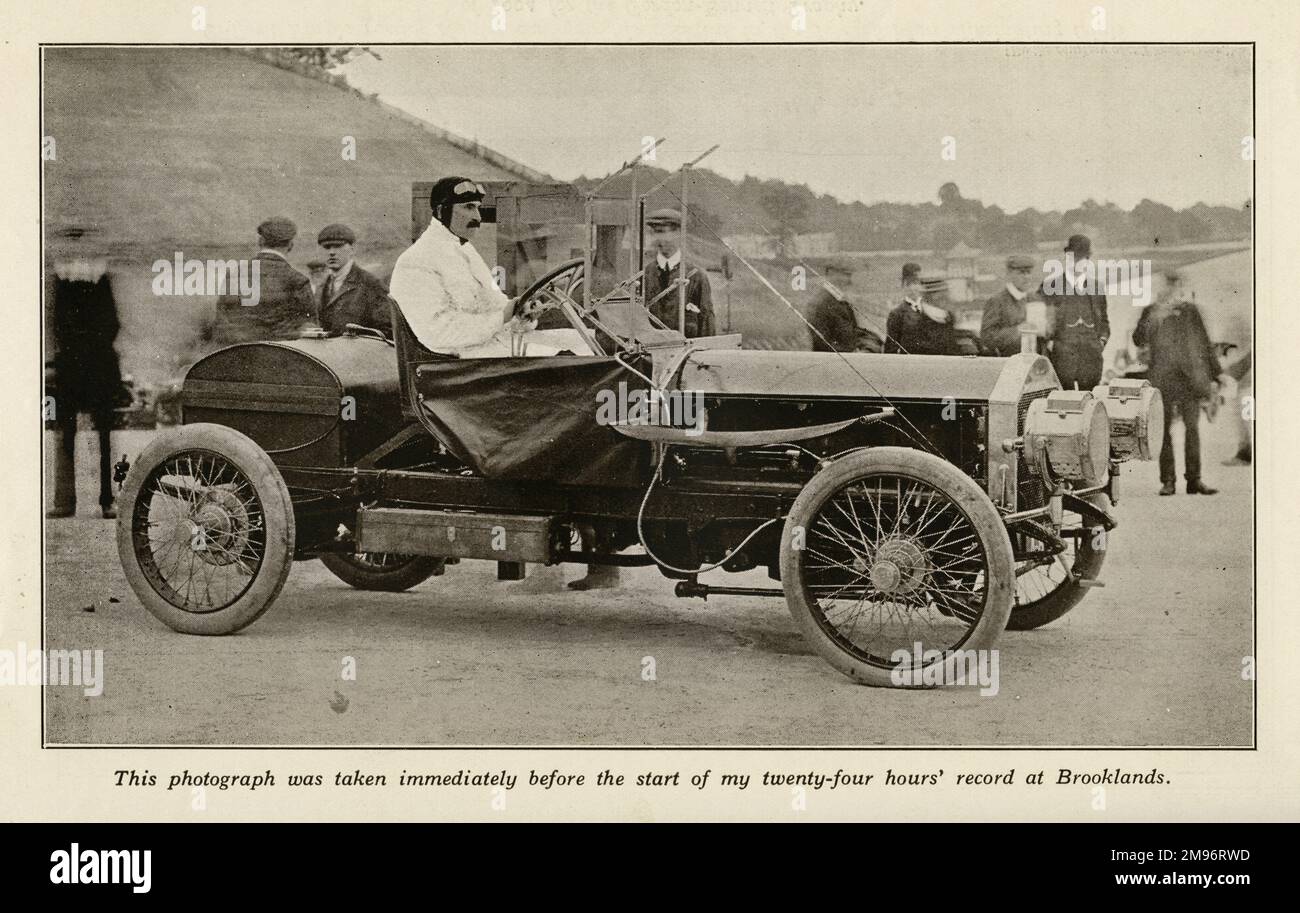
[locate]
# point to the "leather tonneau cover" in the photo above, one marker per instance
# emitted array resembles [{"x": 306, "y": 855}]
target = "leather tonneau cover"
[{"x": 533, "y": 418}]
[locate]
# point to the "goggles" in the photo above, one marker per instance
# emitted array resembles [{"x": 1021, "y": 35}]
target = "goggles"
[{"x": 465, "y": 192}]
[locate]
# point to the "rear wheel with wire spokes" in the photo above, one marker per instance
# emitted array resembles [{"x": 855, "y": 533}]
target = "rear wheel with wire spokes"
[
  {"x": 892, "y": 559},
  {"x": 381, "y": 571},
  {"x": 207, "y": 534},
  {"x": 1044, "y": 591}
]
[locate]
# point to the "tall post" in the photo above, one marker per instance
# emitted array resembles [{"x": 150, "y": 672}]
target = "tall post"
[
  {"x": 681, "y": 252},
  {"x": 638, "y": 287},
  {"x": 632, "y": 254},
  {"x": 587, "y": 256}
]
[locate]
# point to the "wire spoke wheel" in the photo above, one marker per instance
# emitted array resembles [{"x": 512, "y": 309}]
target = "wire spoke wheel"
[
  {"x": 894, "y": 559},
  {"x": 382, "y": 571},
  {"x": 198, "y": 529},
  {"x": 1044, "y": 590},
  {"x": 206, "y": 539}
]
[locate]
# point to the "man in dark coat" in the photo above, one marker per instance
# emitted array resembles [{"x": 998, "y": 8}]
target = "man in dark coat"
[
  {"x": 1004, "y": 313},
  {"x": 349, "y": 293},
  {"x": 284, "y": 304},
  {"x": 82, "y": 371},
  {"x": 1184, "y": 368},
  {"x": 1080, "y": 324},
  {"x": 665, "y": 268},
  {"x": 834, "y": 324},
  {"x": 916, "y": 327}
]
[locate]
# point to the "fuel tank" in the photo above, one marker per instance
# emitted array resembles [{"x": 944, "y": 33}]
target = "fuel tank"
[{"x": 306, "y": 402}]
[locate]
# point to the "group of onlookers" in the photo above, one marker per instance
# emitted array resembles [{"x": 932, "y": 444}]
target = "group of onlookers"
[
  {"x": 1071, "y": 327},
  {"x": 289, "y": 301}
]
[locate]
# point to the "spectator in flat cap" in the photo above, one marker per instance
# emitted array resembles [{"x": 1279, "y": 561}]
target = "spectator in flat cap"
[
  {"x": 916, "y": 327},
  {"x": 1080, "y": 322},
  {"x": 1005, "y": 314},
  {"x": 284, "y": 305},
  {"x": 349, "y": 294},
  {"x": 835, "y": 326},
  {"x": 665, "y": 269}
]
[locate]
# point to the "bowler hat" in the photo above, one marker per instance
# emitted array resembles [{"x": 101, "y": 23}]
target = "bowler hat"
[
  {"x": 911, "y": 271},
  {"x": 1079, "y": 245},
  {"x": 337, "y": 232},
  {"x": 277, "y": 230}
]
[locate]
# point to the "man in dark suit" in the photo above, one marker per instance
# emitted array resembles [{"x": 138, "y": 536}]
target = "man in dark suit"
[
  {"x": 916, "y": 327},
  {"x": 1004, "y": 313},
  {"x": 1080, "y": 324},
  {"x": 666, "y": 267},
  {"x": 82, "y": 369},
  {"x": 1184, "y": 368},
  {"x": 349, "y": 293},
  {"x": 835, "y": 326},
  {"x": 284, "y": 305}
]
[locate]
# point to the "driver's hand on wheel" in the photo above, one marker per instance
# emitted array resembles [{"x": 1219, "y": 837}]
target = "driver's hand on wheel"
[{"x": 537, "y": 307}]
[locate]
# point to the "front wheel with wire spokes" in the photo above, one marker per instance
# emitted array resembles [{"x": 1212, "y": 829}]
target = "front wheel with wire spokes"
[
  {"x": 892, "y": 561},
  {"x": 206, "y": 535}
]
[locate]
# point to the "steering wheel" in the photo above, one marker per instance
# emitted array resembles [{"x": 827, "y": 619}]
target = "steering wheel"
[
  {"x": 560, "y": 289},
  {"x": 544, "y": 294}
]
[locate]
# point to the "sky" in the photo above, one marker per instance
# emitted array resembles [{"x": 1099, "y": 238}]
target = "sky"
[{"x": 1045, "y": 126}]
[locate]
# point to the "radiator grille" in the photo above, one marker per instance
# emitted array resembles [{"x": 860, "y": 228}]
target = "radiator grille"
[{"x": 1030, "y": 491}]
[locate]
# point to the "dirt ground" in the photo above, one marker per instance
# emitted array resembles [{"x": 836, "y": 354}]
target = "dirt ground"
[{"x": 1154, "y": 658}]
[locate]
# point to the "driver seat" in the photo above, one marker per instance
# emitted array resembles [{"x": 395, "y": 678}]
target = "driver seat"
[{"x": 410, "y": 355}]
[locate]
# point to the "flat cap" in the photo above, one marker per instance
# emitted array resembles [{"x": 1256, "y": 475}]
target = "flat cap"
[
  {"x": 911, "y": 271},
  {"x": 337, "y": 232},
  {"x": 1079, "y": 245},
  {"x": 316, "y": 264},
  {"x": 839, "y": 268},
  {"x": 664, "y": 217},
  {"x": 277, "y": 230},
  {"x": 1020, "y": 262}
]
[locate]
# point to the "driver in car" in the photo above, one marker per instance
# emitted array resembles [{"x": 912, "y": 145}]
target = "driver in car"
[{"x": 445, "y": 290}]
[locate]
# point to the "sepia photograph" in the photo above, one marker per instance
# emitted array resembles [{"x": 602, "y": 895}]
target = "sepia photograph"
[{"x": 822, "y": 394}]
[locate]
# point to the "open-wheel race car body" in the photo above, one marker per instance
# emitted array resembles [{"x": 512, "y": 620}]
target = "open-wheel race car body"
[{"x": 905, "y": 508}]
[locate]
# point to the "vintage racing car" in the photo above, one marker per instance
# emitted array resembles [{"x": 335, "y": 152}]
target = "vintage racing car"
[{"x": 905, "y": 508}]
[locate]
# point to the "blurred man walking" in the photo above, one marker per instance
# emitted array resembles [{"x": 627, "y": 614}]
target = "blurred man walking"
[
  {"x": 1184, "y": 368},
  {"x": 81, "y": 367}
]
